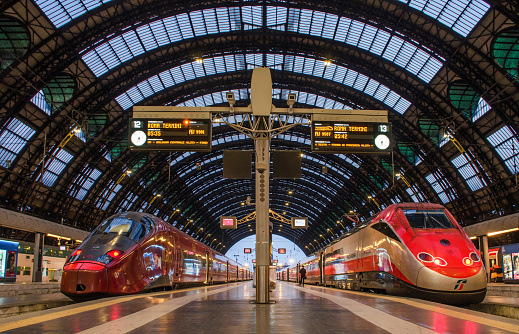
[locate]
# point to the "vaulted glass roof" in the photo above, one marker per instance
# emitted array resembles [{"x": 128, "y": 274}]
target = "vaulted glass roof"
[
  {"x": 296, "y": 64},
  {"x": 436, "y": 65},
  {"x": 386, "y": 43},
  {"x": 460, "y": 15},
  {"x": 281, "y": 94}
]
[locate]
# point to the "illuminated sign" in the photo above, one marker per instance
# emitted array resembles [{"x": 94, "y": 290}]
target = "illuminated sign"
[
  {"x": 253, "y": 260},
  {"x": 247, "y": 250},
  {"x": 351, "y": 137},
  {"x": 170, "y": 134},
  {"x": 282, "y": 250},
  {"x": 299, "y": 222},
  {"x": 275, "y": 261},
  {"x": 228, "y": 222}
]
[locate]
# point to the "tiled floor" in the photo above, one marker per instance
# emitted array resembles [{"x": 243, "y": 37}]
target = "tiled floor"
[{"x": 228, "y": 309}]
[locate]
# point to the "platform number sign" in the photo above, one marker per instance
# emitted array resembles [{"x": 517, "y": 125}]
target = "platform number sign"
[
  {"x": 351, "y": 137},
  {"x": 167, "y": 134}
]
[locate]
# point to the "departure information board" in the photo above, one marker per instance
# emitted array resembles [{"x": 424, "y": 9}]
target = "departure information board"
[
  {"x": 170, "y": 134},
  {"x": 351, "y": 137}
]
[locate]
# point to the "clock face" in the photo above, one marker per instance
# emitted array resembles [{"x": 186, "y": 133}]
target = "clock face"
[
  {"x": 138, "y": 138},
  {"x": 382, "y": 142}
]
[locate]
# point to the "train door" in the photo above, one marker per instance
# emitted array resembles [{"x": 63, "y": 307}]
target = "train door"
[
  {"x": 227, "y": 273},
  {"x": 176, "y": 255},
  {"x": 321, "y": 269},
  {"x": 359, "y": 253},
  {"x": 207, "y": 268},
  {"x": 297, "y": 272}
]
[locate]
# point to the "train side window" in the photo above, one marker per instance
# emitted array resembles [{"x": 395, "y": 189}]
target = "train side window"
[
  {"x": 139, "y": 232},
  {"x": 384, "y": 228},
  {"x": 142, "y": 229}
]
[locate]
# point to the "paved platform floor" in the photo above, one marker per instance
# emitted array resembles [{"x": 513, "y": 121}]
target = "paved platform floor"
[{"x": 227, "y": 309}]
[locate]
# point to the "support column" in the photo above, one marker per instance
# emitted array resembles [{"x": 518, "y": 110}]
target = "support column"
[
  {"x": 483, "y": 247},
  {"x": 38, "y": 257},
  {"x": 262, "y": 217}
]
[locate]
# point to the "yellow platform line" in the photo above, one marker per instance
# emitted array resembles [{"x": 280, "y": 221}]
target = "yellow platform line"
[{"x": 56, "y": 315}]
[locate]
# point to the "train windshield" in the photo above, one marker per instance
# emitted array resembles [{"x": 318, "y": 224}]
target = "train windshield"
[
  {"x": 127, "y": 227},
  {"x": 428, "y": 219}
]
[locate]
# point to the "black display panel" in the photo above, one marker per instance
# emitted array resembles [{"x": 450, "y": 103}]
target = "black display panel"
[
  {"x": 286, "y": 164},
  {"x": 351, "y": 137},
  {"x": 170, "y": 134},
  {"x": 237, "y": 164}
]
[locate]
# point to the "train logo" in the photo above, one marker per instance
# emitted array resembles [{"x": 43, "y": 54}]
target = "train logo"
[{"x": 459, "y": 284}]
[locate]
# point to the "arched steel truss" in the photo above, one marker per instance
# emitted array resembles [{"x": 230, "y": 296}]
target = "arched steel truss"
[{"x": 193, "y": 192}]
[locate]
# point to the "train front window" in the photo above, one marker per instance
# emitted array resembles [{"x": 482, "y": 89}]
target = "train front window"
[
  {"x": 428, "y": 219},
  {"x": 119, "y": 226}
]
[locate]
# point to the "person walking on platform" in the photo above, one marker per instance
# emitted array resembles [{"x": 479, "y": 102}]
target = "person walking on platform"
[{"x": 302, "y": 276}]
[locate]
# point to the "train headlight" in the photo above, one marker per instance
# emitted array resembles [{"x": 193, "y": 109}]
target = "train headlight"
[
  {"x": 439, "y": 261},
  {"x": 425, "y": 257},
  {"x": 109, "y": 257},
  {"x": 467, "y": 261},
  {"x": 474, "y": 257}
]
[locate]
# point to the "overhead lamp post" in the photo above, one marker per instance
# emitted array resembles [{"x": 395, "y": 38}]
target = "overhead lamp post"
[
  {"x": 153, "y": 200},
  {"x": 261, "y": 129}
]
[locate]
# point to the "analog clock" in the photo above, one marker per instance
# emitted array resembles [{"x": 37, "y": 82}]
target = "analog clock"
[
  {"x": 138, "y": 138},
  {"x": 382, "y": 142}
]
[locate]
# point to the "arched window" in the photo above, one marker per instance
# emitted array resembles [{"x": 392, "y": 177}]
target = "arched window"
[
  {"x": 14, "y": 41},
  {"x": 506, "y": 51}
]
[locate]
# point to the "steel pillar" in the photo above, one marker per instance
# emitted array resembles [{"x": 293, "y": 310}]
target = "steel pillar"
[
  {"x": 483, "y": 247},
  {"x": 262, "y": 217},
  {"x": 38, "y": 257}
]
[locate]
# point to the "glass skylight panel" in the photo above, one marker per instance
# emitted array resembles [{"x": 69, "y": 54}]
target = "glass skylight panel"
[
  {"x": 85, "y": 181},
  {"x": 507, "y": 146},
  {"x": 460, "y": 15},
  {"x": 13, "y": 139},
  {"x": 110, "y": 193},
  {"x": 438, "y": 181},
  {"x": 482, "y": 109},
  {"x": 413, "y": 196},
  {"x": 368, "y": 36},
  {"x": 127, "y": 202},
  {"x": 39, "y": 101},
  {"x": 61, "y": 12},
  {"x": 147, "y": 37},
  {"x": 402, "y": 105},
  {"x": 467, "y": 171},
  {"x": 107, "y": 156}
]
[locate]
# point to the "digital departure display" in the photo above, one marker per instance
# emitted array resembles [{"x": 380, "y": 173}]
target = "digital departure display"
[
  {"x": 170, "y": 134},
  {"x": 299, "y": 222},
  {"x": 351, "y": 137},
  {"x": 228, "y": 222}
]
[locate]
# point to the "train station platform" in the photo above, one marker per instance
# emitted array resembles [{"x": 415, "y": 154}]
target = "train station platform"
[{"x": 229, "y": 308}]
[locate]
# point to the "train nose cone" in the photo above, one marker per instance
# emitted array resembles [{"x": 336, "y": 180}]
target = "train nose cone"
[
  {"x": 84, "y": 278},
  {"x": 452, "y": 279}
]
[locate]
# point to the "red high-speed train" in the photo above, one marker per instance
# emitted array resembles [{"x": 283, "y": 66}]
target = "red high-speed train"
[
  {"x": 410, "y": 249},
  {"x": 133, "y": 252}
]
